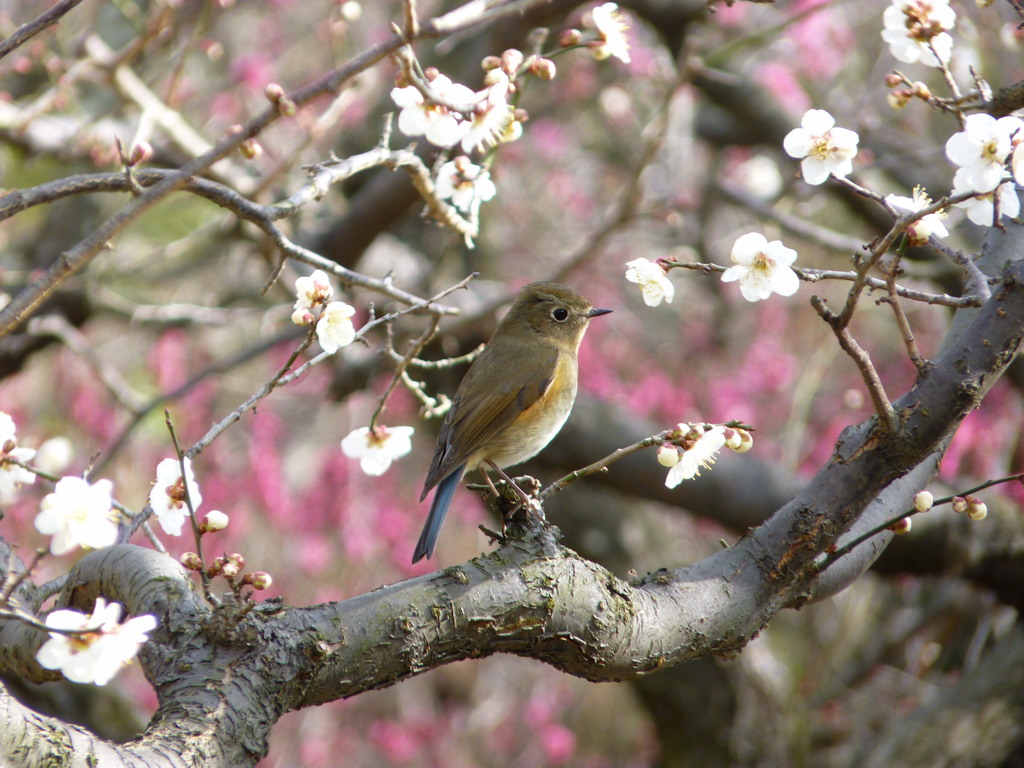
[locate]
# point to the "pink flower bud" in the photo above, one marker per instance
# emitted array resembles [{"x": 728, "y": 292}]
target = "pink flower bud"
[
  {"x": 901, "y": 526},
  {"x": 570, "y": 37},
  {"x": 261, "y": 580},
  {"x": 191, "y": 561}
]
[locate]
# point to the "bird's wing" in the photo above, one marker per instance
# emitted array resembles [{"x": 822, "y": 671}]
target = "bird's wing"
[{"x": 501, "y": 391}]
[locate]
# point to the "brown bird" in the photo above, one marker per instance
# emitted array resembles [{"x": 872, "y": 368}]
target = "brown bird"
[{"x": 514, "y": 398}]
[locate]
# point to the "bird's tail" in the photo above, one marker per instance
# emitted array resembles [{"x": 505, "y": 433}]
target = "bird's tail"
[{"x": 438, "y": 509}]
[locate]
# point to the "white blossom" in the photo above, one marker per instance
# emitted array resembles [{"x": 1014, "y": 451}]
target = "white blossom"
[
  {"x": 312, "y": 289},
  {"x": 492, "y": 116},
  {"x": 762, "y": 267},
  {"x": 377, "y": 448},
  {"x": 700, "y": 455},
  {"x": 981, "y": 149},
  {"x": 821, "y": 148},
  {"x": 104, "y": 646},
  {"x": 335, "y": 330},
  {"x": 439, "y": 124},
  {"x": 981, "y": 208},
  {"x": 913, "y": 28},
  {"x": 653, "y": 282},
  {"x": 464, "y": 184},
  {"x": 167, "y": 498},
  {"x": 611, "y": 28},
  {"x": 78, "y": 514},
  {"x": 920, "y": 230}
]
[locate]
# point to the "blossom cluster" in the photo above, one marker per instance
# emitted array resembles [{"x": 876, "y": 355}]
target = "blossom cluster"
[
  {"x": 918, "y": 31},
  {"x": 334, "y": 327},
  {"x": 449, "y": 114},
  {"x": 695, "y": 447}
]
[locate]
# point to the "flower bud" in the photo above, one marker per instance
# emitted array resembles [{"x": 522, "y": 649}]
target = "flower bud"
[
  {"x": 923, "y": 501},
  {"x": 490, "y": 62},
  {"x": 959, "y": 504},
  {"x": 260, "y": 580},
  {"x": 302, "y": 316},
  {"x": 899, "y": 98},
  {"x": 250, "y": 149},
  {"x": 237, "y": 559},
  {"x": 746, "y": 441},
  {"x": 922, "y": 91},
  {"x": 892, "y": 80},
  {"x": 511, "y": 60},
  {"x": 214, "y": 520},
  {"x": 668, "y": 455},
  {"x": 570, "y": 37},
  {"x": 229, "y": 570},
  {"x": 976, "y": 510},
  {"x": 286, "y": 108},
  {"x": 543, "y": 68},
  {"x": 191, "y": 561},
  {"x": 273, "y": 92},
  {"x": 901, "y": 526},
  {"x": 141, "y": 152}
]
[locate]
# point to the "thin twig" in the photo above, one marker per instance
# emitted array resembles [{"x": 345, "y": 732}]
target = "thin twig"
[
  {"x": 883, "y": 407},
  {"x": 893, "y": 300},
  {"x": 603, "y": 464},
  {"x": 30, "y": 29},
  {"x": 817, "y": 275},
  {"x": 851, "y": 545},
  {"x": 196, "y": 533},
  {"x": 415, "y": 346}
]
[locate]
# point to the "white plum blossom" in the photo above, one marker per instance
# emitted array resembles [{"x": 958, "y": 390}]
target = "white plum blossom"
[
  {"x": 920, "y": 230},
  {"x": 981, "y": 149},
  {"x": 821, "y": 148},
  {"x": 78, "y": 514},
  {"x": 167, "y": 498},
  {"x": 699, "y": 455},
  {"x": 312, "y": 289},
  {"x": 11, "y": 475},
  {"x": 492, "y": 117},
  {"x": 334, "y": 329},
  {"x": 464, "y": 184},
  {"x": 611, "y": 28},
  {"x": 653, "y": 282},
  {"x": 917, "y": 31},
  {"x": 377, "y": 448},
  {"x": 762, "y": 267},
  {"x": 981, "y": 208},
  {"x": 439, "y": 124},
  {"x": 102, "y": 648}
]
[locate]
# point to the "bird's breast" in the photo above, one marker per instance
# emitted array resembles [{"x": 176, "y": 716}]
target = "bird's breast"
[{"x": 537, "y": 424}]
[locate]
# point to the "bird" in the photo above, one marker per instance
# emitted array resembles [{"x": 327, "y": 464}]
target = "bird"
[{"x": 514, "y": 398}]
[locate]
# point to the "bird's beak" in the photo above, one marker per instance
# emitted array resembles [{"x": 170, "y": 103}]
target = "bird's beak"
[{"x": 597, "y": 312}]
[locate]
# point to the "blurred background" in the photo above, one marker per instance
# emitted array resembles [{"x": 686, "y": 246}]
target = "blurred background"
[{"x": 672, "y": 155}]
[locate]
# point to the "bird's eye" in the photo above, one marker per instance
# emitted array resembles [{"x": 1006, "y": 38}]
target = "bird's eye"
[{"x": 560, "y": 314}]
